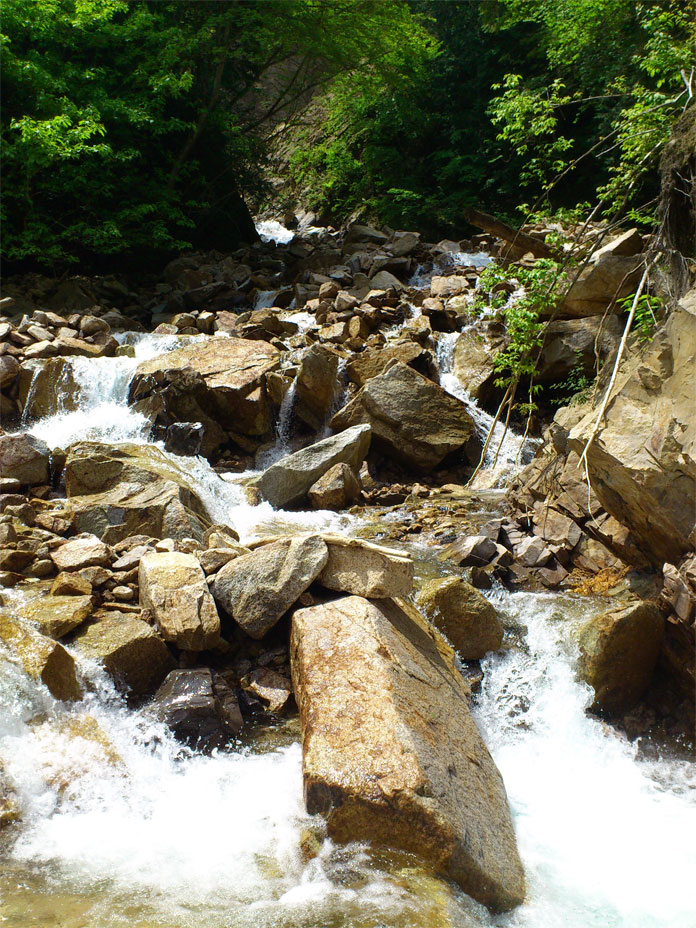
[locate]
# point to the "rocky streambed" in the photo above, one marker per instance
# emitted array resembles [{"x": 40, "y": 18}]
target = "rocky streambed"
[{"x": 267, "y": 659}]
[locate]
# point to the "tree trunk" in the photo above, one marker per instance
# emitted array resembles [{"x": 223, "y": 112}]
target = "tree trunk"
[{"x": 514, "y": 236}]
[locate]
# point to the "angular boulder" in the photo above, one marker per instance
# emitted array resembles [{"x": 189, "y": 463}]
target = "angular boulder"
[
  {"x": 618, "y": 654},
  {"x": 84, "y": 551},
  {"x": 57, "y": 615},
  {"x": 117, "y": 491},
  {"x": 256, "y": 589},
  {"x": 287, "y": 481},
  {"x": 609, "y": 279},
  {"x": 391, "y": 754},
  {"x": 336, "y": 489},
  {"x": 230, "y": 383},
  {"x": 24, "y": 458},
  {"x": 365, "y": 569},
  {"x": 393, "y": 405},
  {"x": 173, "y": 587},
  {"x": 373, "y": 361},
  {"x": 463, "y": 614},
  {"x": 317, "y": 385},
  {"x": 42, "y": 658},
  {"x": 132, "y": 652}
]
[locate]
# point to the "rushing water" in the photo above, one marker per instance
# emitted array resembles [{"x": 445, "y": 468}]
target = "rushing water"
[{"x": 120, "y": 826}]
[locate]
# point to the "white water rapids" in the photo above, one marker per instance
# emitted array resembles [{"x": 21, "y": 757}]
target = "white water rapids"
[{"x": 146, "y": 834}]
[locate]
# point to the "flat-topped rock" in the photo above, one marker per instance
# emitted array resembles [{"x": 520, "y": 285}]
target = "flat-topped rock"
[{"x": 365, "y": 569}]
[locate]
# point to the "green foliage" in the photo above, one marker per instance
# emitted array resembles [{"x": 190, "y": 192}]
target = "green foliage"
[
  {"x": 575, "y": 389},
  {"x": 135, "y": 127},
  {"x": 648, "y": 309}
]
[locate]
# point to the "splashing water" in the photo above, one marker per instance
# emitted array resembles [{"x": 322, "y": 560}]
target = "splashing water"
[
  {"x": 604, "y": 835},
  {"x": 505, "y": 444},
  {"x": 270, "y": 230}
]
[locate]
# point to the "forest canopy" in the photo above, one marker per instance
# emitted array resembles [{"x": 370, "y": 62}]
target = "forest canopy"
[{"x": 139, "y": 128}]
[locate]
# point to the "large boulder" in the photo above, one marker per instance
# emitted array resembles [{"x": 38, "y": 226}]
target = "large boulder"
[
  {"x": 317, "y": 385},
  {"x": 38, "y": 396},
  {"x": 84, "y": 551},
  {"x": 117, "y": 491},
  {"x": 43, "y": 659},
  {"x": 287, "y": 481},
  {"x": 618, "y": 654},
  {"x": 228, "y": 385},
  {"x": 256, "y": 589},
  {"x": 391, "y": 754},
  {"x": 463, "y": 614},
  {"x": 474, "y": 357},
  {"x": 365, "y": 569},
  {"x": 609, "y": 279},
  {"x": 25, "y": 458},
  {"x": 393, "y": 405},
  {"x": 642, "y": 461},
  {"x": 132, "y": 652},
  {"x": 173, "y": 587}
]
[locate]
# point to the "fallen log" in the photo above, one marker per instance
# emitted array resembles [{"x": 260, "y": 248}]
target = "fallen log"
[{"x": 507, "y": 233}]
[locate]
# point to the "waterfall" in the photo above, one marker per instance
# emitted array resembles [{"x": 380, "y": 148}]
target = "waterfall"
[{"x": 505, "y": 444}]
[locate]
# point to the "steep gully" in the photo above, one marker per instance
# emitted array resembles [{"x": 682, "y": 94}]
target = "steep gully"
[{"x": 170, "y": 837}]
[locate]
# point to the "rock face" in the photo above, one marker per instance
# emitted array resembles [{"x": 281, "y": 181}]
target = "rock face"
[
  {"x": 227, "y": 385},
  {"x": 463, "y": 614},
  {"x": 391, "y": 754},
  {"x": 41, "y": 658},
  {"x": 364, "y": 569},
  {"x": 117, "y": 491},
  {"x": 173, "y": 587},
  {"x": 336, "y": 489},
  {"x": 287, "y": 481},
  {"x": 24, "y": 458},
  {"x": 188, "y": 704},
  {"x": 257, "y": 588},
  {"x": 618, "y": 654},
  {"x": 132, "y": 653},
  {"x": 642, "y": 464},
  {"x": 393, "y": 404},
  {"x": 573, "y": 343}
]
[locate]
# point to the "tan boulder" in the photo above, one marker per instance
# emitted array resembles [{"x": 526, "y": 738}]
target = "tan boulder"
[
  {"x": 42, "y": 658},
  {"x": 444, "y": 287},
  {"x": 642, "y": 461},
  {"x": 317, "y": 385},
  {"x": 612, "y": 277},
  {"x": 256, "y": 589},
  {"x": 132, "y": 653},
  {"x": 463, "y": 614},
  {"x": 373, "y": 361},
  {"x": 287, "y": 481},
  {"x": 618, "y": 654},
  {"x": 121, "y": 490},
  {"x": 231, "y": 386},
  {"x": 38, "y": 396},
  {"x": 365, "y": 569},
  {"x": 173, "y": 587},
  {"x": 25, "y": 458},
  {"x": 57, "y": 615},
  {"x": 336, "y": 489},
  {"x": 391, "y": 754},
  {"x": 393, "y": 404},
  {"x": 84, "y": 551}
]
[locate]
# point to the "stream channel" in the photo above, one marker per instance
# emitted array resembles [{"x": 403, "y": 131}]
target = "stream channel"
[{"x": 174, "y": 839}]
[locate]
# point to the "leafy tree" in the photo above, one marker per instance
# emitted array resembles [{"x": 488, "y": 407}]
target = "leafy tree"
[{"x": 136, "y": 127}]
